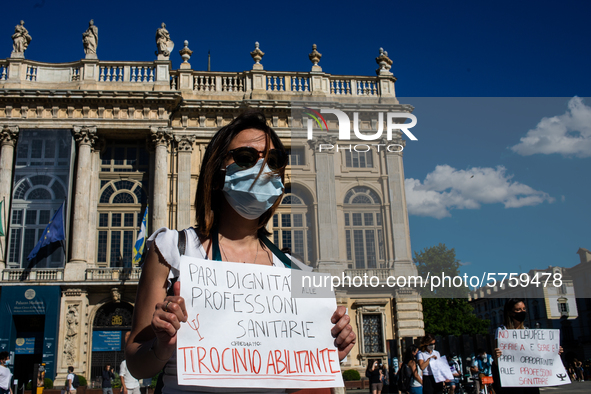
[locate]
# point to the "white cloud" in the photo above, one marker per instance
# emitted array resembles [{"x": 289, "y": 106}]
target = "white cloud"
[
  {"x": 568, "y": 134},
  {"x": 447, "y": 188}
]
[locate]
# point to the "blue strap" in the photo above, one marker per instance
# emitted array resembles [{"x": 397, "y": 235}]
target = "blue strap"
[{"x": 217, "y": 256}]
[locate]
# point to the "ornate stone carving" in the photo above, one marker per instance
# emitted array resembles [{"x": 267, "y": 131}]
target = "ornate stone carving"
[
  {"x": 161, "y": 136},
  {"x": 116, "y": 294},
  {"x": 85, "y": 135},
  {"x": 384, "y": 62},
  {"x": 9, "y": 135},
  {"x": 90, "y": 40},
  {"x": 70, "y": 346},
  {"x": 185, "y": 142},
  {"x": 315, "y": 142},
  {"x": 186, "y": 52},
  {"x": 163, "y": 42},
  {"x": 20, "y": 41},
  {"x": 257, "y": 54},
  {"x": 315, "y": 55}
]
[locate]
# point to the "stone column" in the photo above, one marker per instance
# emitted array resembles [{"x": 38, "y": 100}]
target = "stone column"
[
  {"x": 85, "y": 137},
  {"x": 8, "y": 139},
  {"x": 183, "y": 208},
  {"x": 328, "y": 245},
  {"x": 403, "y": 264},
  {"x": 73, "y": 338},
  {"x": 161, "y": 137}
]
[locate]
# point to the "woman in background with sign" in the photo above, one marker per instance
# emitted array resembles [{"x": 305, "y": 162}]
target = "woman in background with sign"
[
  {"x": 427, "y": 353},
  {"x": 5, "y": 375},
  {"x": 240, "y": 186},
  {"x": 514, "y": 314}
]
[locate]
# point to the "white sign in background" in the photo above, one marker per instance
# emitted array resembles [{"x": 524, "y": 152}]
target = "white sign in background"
[
  {"x": 245, "y": 329},
  {"x": 440, "y": 369},
  {"x": 530, "y": 358}
]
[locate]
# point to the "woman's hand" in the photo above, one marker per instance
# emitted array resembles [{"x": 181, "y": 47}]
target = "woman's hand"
[
  {"x": 434, "y": 357},
  {"x": 343, "y": 332},
  {"x": 560, "y": 351},
  {"x": 497, "y": 352},
  {"x": 166, "y": 321}
]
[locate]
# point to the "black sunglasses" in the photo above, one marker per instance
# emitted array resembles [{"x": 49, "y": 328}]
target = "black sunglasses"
[{"x": 246, "y": 157}]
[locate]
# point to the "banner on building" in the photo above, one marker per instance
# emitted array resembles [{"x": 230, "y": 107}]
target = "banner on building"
[
  {"x": 245, "y": 329},
  {"x": 530, "y": 358}
]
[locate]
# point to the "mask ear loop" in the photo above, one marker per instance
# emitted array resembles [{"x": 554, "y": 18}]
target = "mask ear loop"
[{"x": 219, "y": 179}]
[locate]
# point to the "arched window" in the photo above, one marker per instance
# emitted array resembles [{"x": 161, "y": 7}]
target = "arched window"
[
  {"x": 36, "y": 198},
  {"x": 364, "y": 233},
  {"x": 291, "y": 227},
  {"x": 120, "y": 216}
]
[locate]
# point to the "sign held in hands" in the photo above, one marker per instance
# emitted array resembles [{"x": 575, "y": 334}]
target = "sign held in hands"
[
  {"x": 530, "y": 358},
  {"x": 245, "y": 330}
]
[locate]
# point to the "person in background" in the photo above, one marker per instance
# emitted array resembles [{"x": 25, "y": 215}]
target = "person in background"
[
  {"x": 5, "y": 375},
  {"x": 416, "y": 374},
  {"x": 106, "y": 378},
  {"x": 481, "y": 366},
  {"x": 455, "y": 371},
  {"x": 374, "y": 374},
  {"x": 579, "y": 370},
  {"x": 69, "y": 387},
  {"x": 129, "y": 384},
  {"x": 427, "y": 354}
]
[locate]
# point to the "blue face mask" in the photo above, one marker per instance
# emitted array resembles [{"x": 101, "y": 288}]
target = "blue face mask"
[{"x": 251, "y": 201}]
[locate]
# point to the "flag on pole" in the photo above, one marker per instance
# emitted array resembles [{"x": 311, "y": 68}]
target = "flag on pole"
[
  {"x": 140, "y": 243},
  {"x": 53, "y": 233},
  {"x": 2, "y": 218}
]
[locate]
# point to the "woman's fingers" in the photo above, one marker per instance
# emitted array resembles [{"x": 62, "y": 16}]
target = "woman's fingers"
[
  {"x": 340, "y": 323},
  {"x": 176, "y": 288}
]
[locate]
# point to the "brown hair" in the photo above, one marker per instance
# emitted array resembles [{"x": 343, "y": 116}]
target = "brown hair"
[
  {"x": 426, "y": 340},
  {"x": 507, "y": 319},
  {"x": 211, "y": 178}
]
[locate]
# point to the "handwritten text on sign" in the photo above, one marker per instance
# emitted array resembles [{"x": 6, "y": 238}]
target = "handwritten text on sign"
[
  {"x": 530, "y": 358},
  {"x": 245, "y": 330}
]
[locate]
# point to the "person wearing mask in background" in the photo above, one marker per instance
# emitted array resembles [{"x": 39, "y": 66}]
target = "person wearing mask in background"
[
  {"x": 129, "y": 384},
  {"x": 426, "y": 356},
  {"x": 514, "y": 314},
  {"x": 374, "y": 374},
  {"x": 481, "y": 366},
  {"x": 5, "y": 374},
  {"x": 106, "y": 378}
]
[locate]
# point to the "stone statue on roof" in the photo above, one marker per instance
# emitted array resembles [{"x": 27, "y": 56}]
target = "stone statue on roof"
[
  {"x": 164, "y": 43},
  {"x": 20, "y": 40},
  {"x": 90, "y": 40}
]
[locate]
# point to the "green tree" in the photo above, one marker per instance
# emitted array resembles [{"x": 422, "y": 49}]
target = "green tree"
[{"x": 445, "y": 308}]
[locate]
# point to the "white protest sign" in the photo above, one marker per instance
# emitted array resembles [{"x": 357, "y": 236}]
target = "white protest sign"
[
  {"x": 245, "y": 329},
  {"x": 530, "y": 358},
  {"x": 441, "y": 370}
]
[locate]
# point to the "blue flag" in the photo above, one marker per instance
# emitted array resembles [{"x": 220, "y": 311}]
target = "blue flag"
[
  {"x": 54, "y": 232},
  {"x": 140, "y": 243}
]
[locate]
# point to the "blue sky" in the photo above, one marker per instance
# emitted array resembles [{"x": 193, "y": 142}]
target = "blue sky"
[{"x": 481, "y": 76}]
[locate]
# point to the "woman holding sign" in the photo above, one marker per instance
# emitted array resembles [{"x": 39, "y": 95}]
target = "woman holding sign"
[
  {"x": 240, "y": 185},
  {"x": 427, "y": 355},
  {"x": 514, "y": 314}
]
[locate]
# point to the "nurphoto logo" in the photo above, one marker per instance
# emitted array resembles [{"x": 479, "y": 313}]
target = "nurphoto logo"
[{"x": 345, "y": 129}]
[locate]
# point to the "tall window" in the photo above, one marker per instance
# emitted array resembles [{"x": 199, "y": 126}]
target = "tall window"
[
  {"x": 373, "y": 338},
  {"x": 41, "y": 180},
  {"x": 355, "y": 159},
  {"x": 297, "y": 156},
  {"x": 122, "y": 201},
  {"x": 291, "y": 227},
  {"x": 364, "y": 234}
]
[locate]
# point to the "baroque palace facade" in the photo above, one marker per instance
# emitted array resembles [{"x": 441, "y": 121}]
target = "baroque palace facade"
[{"x": 112, "y": 139}]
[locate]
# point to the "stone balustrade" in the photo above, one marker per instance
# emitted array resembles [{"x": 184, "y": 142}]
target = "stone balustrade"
[
  {"x": 279, "y": 83},
  {"x": 113, "y": 274},
  {"x": 3, "y": 70},
  {"x": 43, "y": 274}
]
